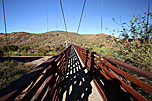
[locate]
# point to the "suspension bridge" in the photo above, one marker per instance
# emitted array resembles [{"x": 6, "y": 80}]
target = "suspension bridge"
[{"x": 77, "y": 74}]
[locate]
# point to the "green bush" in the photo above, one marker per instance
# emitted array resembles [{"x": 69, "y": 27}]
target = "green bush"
[
  {"x": 101, "y": 45},
  {"x": 5, "y": 49},
  {"x": 52, "y": 53},
  {"x": 135, "y": 44},
  {"x": 13, "y": 48},
  {"x": 58, "y": 48},
  {"x": 1, "y": 52},
  {"x": 89, "y": 48},
  {"x": 11, "y": 71},
  {"x": 10, "y": 48},
  {"x": 25, "y": 48},
  {"x": 61, "y": 48}
]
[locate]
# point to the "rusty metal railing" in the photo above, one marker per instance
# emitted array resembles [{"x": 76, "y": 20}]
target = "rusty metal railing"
[
  {"x": 41, "y": 82},
  {"x": 113, "y": 83}
]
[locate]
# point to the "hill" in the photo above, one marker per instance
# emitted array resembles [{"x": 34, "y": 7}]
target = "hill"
[{"x": 52, "y": 38}]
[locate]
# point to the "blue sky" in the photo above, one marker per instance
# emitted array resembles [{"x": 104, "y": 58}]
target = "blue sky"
[{"x": 30, "y": 15}]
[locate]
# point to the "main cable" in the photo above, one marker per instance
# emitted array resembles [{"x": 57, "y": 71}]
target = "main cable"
[
  {"x": 148, "y": 12},
  {"x": 5, "y": 30},
  {"x": 67, "y": 42},
  {"x": 5, "y": 25},
  {"x": 47, "y": 22},
  {"x": 101, "y": 14},
  {"x": 81, "y": 16},
  {"x": 63, "y": 16},
  {"x": 4, "y": 16}
]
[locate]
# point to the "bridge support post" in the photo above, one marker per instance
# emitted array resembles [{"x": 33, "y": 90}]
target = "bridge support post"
[
  {"x": 92, "y": 64},
  {"x": 86, "y": 59}
]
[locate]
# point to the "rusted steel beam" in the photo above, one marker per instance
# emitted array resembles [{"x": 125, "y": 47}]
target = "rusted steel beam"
[
  {"x": 52, "y": 87},
  {"x": 44, "y": 90},
  {"x": 32, "y": 92},
  {"x": 128, "y": 88},
  {"x": 98, "y": 83},
  {"x": 138, "y": 71},
  {"x": 100, "y": 90},
  {"x": 15, "y": 88},
  {"x": 129, "y": 77},
  {"x": 103, "y": 74}
]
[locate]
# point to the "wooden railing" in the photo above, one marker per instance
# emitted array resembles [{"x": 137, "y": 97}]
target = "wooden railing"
[
  {"x": 41, "y": 82},
  {"x": 113, "y": 83}
]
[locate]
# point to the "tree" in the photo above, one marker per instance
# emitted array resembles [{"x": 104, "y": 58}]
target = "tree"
[
  {"x": 13, "y": 48},
  {"x": 135, "y": 43},
  {"x": 25, "y": 48}
]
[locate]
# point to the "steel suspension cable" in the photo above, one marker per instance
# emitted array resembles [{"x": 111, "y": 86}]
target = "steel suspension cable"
[
  {"x": 81, "y": 16},
  {"x": 5, "y": 29},
  {"x": 47, "y": 16},
  {"x": 147, "y": 24},
  {"x": 63, "y": 16},
  {"x": 101, "y": 14},
  {"x": 148, "y": 12},
  {"x": 64, "y": 23}
]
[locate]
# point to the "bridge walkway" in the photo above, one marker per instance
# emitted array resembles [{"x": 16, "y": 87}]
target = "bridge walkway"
[{"x": 78, "y": 84}]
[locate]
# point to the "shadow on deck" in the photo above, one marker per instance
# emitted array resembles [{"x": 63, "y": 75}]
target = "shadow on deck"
[{"x": 77, "y": 83}]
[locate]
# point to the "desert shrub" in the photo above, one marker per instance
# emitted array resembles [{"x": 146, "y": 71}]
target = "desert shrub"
[
  {"x": 42, "y": 51},
  {"x": 5, "y": 48},
  {"x": 61, "y": 48},
  {"x": 45, "y": 50},
  {"x": 89, "y": 48},
  {"x": 25, "y": 48},
  {"x": 52, "y": 53},
  {"x": 1, "y": 52},
  {"x": 11, "y": 71},
  {"x": 10, "y": 48},
  {"x": 135, "y": 44},
  {"x": 101, "y": 45},
  {"x": 58, "y": 48},
  {"x": 13, "y": 48},
  {"x": 14, "y": 53},
  {"x": 23, "y": 52}
]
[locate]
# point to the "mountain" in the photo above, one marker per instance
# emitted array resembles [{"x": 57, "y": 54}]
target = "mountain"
[{"x": 52, "y": 38}]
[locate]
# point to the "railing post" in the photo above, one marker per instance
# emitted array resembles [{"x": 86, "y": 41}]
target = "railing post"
[
  {"x": 92, "y": 63},
  {"x": 86, "y": 58}
]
